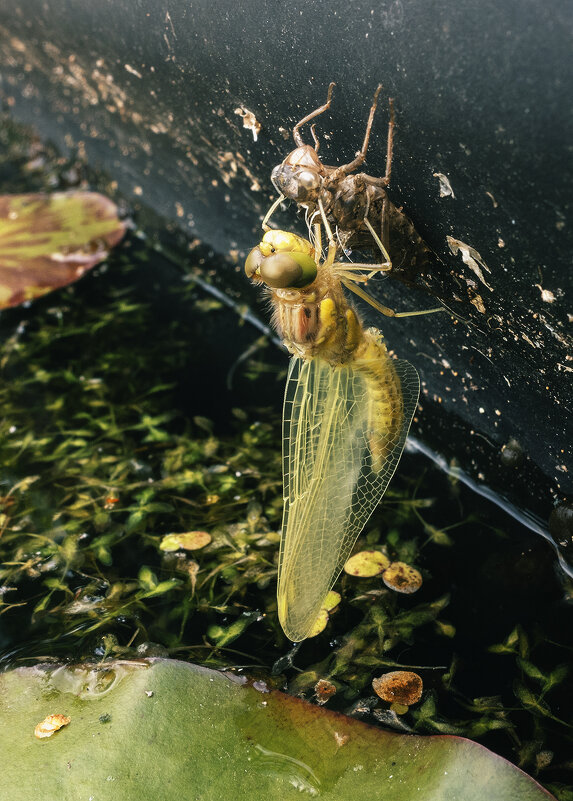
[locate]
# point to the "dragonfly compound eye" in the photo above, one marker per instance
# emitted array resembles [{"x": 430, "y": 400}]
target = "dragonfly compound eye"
[
  {"x": 285, "y": 270},
  {"x": 296, "y": 183},
  {"x": 308, "y": 181},
  {"x": 253, "y": 262}
]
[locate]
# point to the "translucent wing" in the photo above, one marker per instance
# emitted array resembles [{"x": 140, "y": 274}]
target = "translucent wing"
[{"x": 344, "y": 429}]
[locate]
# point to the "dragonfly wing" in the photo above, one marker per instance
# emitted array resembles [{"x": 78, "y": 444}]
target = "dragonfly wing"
[{"x": 338, "y": 457}]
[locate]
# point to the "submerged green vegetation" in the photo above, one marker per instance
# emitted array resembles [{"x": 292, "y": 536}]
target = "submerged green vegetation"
[
  {"x": 117, "y": 429},
  {"x": 98, "y": 465}
]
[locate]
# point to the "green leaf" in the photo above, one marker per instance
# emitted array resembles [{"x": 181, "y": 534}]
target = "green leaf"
[
  {"x": 147, "y": 578},
  {"x": 162, "y": 729},
  {"x": 43, "y": 603},
  {"x": 162, "y": 588},
  {"x": 556, "y": 677},
  {"x": 135, "y": 519},
  {"x": 49, "y": 241},
  {"x": 531, "y": 670},
  {"x": 535, "y": 703},
  {"x": 224, "y": 635}
]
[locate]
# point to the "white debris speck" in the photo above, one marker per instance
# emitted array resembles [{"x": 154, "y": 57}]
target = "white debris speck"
[
  {"x": 471, "y": 257},
  {"x": 132, "y": 71},
  {"x": 445, "y": 185},
  {"x": 250, "y": 122},
  {"x": 546, "y": 294},
  {"x": 493, "y": 200}
]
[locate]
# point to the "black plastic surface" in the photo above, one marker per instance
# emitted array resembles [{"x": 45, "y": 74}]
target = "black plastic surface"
[{"x": 483, "y": 96}]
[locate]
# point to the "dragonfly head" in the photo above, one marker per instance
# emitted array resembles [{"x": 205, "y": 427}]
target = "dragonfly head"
[{"x": 282, "y": 260}]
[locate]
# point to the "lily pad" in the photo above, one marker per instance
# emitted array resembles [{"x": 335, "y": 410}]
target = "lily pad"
[
  {"x": 166, "y": 729},
  {"x": 49, "y": 241},
  {"x": 399, "y": 687},
  {"x": 401, "y": 577},
  {"x": 328, "y": 605},
  {"x": 187, "y": 541},
  {"x": 365, "y": 564}
]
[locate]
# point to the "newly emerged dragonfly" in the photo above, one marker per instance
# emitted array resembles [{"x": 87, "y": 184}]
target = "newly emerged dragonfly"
[
  {"x": 347, "y": 411},
  {"x": 355, "y": 204}
]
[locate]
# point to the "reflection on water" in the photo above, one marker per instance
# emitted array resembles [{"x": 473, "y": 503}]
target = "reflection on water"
[
  {"x": 522, "y": 516},
  {"x": 90, "y": 683},
  {"x": 295, "y": 771}
]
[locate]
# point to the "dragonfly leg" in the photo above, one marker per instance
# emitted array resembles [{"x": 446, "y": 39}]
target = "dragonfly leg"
[
  {"x": 350, "y": 284},
  {"x": 315, "y": 138},
  {"x": 265, "y": 226},
  {"x": 331, "y": 255},
  {"x": 390, "y": 142},
  {"x": 320, "y": 110},
  {"x": 387, "y": 264},
  {"x": 317, "y": 239},
  {"x": 383, "y": 241},
  {"x": 361, "y": 273},
  {"x": 345, "y": 169},
  {"x": 345, "y": 270}
]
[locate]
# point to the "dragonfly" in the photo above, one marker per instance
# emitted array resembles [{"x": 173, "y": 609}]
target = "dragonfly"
[{"x": 347, "y": 411}]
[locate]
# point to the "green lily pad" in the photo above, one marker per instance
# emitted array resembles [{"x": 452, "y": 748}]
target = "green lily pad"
[
  {"x": 48, "y": 241},
  {"x": 162, "y": 729}
]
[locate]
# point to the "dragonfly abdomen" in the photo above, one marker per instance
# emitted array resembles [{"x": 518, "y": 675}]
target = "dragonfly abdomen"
[{"x": 386, "y": 408}]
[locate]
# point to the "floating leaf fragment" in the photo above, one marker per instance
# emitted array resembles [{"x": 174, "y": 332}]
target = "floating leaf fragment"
[
  {"x": 402, "y": 578},
  {"x": 365, "y": 564},
  {"x": 49, "y": 241},
  {"x": 49, "y": 725},
  {"x": 188, "y": 541},
  {"x": 330, "y": 602},
  {"x": 319, "y": 624},
  {"x": 324, "y": 690},
  {"x": 222, "y": 636},
  {"x": 401, "y": 687}
]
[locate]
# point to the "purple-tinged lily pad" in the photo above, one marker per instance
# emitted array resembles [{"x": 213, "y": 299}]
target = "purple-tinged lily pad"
[
  {"x": 49, "y": 241},
  {"x": 162, "y": 729}
]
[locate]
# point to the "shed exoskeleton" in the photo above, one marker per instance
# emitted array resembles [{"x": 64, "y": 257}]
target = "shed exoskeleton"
[{"x": 356, "y": 205}]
